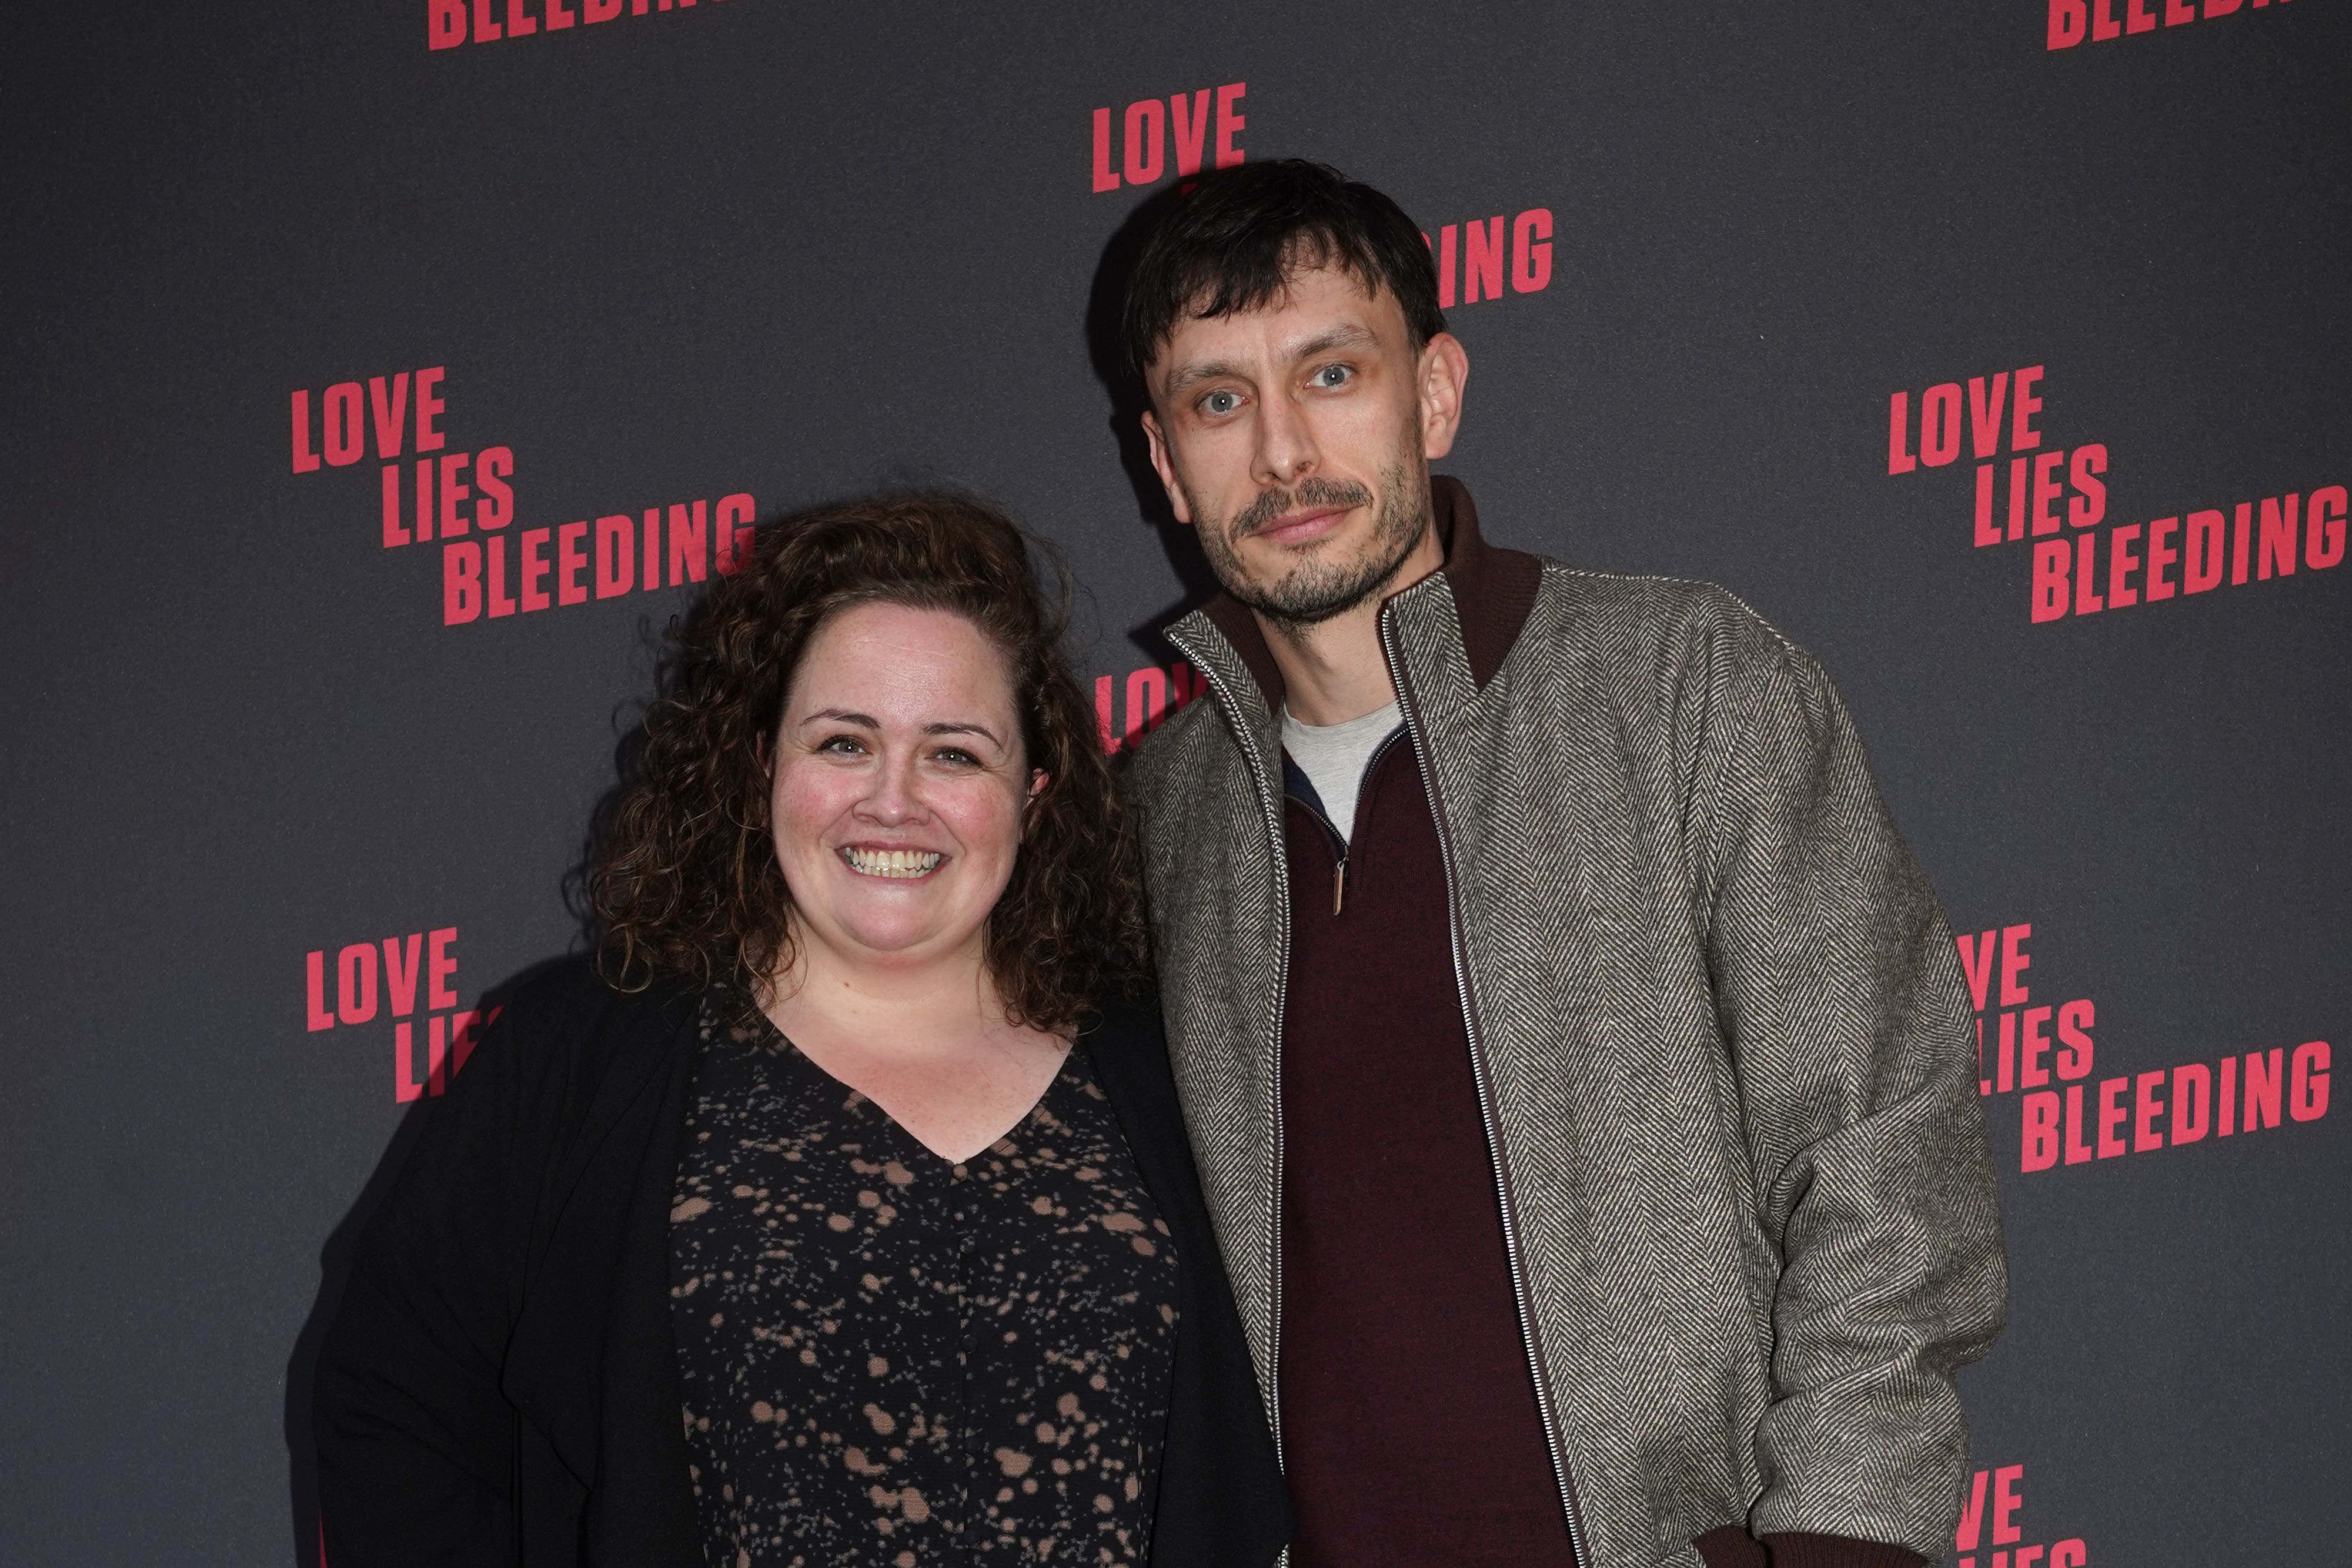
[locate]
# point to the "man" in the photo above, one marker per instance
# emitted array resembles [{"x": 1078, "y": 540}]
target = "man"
[{"x": 1579, "y": 1067}]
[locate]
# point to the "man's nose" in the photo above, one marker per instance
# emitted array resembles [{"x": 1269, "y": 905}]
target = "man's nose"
[{"x": 1286, "y": 442}]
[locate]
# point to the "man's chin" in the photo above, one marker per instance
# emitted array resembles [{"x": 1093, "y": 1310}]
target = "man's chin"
[{"x": 1302, "y": 598}]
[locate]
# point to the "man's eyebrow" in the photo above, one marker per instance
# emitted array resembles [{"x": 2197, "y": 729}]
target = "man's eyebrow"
[
  {"x": 1347, "y": 335},
  {"x": 1196, "y": 373}
]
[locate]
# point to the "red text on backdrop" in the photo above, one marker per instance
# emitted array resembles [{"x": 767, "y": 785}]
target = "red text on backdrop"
[
  {"x": 1156, "y": 137},
  {"x": 466, "y": 500},
  {"x": 398, "y": 978},
  {"x": 1988, "y": 1524}
]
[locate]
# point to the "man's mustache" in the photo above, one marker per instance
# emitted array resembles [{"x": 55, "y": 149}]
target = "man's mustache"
[{"x": 1272, "y": 505}]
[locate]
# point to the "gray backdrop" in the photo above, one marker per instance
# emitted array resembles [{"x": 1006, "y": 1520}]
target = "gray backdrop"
[{"x": 786, "y": 251}]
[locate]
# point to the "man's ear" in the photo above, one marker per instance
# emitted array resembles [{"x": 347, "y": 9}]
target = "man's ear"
[
  {"x": 1165, "y": 466},
  {"x": 1445, "y": 371}
]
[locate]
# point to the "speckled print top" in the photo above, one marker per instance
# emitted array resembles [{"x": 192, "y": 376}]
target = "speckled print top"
[{"x": 889, "y": 1359}]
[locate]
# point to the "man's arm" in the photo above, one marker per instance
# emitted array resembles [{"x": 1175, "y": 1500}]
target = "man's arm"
[{"x": 1841, "y": 1003}]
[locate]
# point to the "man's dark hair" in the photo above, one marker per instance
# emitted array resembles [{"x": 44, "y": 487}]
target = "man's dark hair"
[{"x": 1237, "y": 237}]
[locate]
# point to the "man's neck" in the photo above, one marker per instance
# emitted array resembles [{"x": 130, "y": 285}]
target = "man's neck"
[{"x": 1335, "y": 670}]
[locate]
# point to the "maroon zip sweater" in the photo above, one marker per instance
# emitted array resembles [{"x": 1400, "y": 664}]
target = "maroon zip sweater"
[{"x": 1410, "y": 1430}]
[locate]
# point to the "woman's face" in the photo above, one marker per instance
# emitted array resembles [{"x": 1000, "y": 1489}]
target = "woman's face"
[{"x": 899, "y": 785}]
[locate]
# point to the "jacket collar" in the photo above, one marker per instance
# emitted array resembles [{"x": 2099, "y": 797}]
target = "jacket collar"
[{"x": 1493, "y": 592}]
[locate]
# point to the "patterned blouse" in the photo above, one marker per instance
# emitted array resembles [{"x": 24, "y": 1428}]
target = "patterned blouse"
[{"x": 889, "y": 1359}]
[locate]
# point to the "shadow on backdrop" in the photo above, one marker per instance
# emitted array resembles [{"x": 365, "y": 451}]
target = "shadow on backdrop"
[{"x": 1107, "y": 352}]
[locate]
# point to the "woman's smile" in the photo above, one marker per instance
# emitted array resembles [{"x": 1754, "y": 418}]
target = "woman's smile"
[{"x": 898, "y": 865}]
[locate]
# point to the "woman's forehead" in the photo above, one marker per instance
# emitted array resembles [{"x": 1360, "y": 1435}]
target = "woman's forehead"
[{"x": 900, "y": 663}]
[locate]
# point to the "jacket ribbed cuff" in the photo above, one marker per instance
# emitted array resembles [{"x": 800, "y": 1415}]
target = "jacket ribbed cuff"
[
  {"x": 1795, "y": 1549},
  {"x": 1732, "y": 1547}
]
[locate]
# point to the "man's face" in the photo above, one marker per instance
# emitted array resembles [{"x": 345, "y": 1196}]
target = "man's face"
[{"x": 1296, "y": 439}]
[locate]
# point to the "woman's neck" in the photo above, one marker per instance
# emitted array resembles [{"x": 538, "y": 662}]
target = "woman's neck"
[{"x": 922, "y": 1007}]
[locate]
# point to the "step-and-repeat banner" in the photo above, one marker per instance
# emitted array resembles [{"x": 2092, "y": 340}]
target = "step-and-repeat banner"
[{"x": 382, "y": 377}]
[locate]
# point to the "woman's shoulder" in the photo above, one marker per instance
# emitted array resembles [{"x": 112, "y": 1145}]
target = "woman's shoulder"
[
  {"x": 1125, "y": 1039},
  {"x": 568, "y": 1014},
  {"x": 1123, "y": 1021},
  {"x": 579, "y": 990}
]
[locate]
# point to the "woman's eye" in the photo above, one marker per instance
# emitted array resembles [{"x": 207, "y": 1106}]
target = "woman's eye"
[
  {"x": 1334, "y": 375},
  {"x": 841, "y": 746},
  {"x": 1221, "y": 402},
  {"x": 955, "y": 757}
]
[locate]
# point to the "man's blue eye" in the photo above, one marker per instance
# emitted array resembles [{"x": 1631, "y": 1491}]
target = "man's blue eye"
[
  {"x": 1332, "y": 375},
  {"x": 1219, "y": 402}
]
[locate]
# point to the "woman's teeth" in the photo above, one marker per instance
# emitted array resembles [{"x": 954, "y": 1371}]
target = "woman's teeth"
[{"x": 892, "y": 862}]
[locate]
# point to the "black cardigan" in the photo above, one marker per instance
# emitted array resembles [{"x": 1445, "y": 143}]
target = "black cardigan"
[{"x": 500, "y": 1383}]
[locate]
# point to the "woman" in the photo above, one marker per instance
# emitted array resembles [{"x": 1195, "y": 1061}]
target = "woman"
[{"x": 841, "y": 1212}]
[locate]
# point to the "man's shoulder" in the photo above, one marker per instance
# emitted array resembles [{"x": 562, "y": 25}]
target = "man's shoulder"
[
  {"x": 1168, "y": 760},
  {"x": 1624, "y": 623}
]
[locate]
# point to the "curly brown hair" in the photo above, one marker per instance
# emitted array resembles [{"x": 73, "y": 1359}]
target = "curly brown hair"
[{"x": 688, "y": 884}]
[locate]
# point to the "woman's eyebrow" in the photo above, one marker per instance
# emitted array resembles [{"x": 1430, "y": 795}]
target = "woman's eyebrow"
[{"x": 867, "y": 721}]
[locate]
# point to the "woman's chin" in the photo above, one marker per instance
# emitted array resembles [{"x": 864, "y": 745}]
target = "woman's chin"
[
  {"x": 901, "y": 943},
  {"x": 899, "y": 922}
]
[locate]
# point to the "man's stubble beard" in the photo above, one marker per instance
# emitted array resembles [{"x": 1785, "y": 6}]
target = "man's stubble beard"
[{"x": 1313, "y": 590}]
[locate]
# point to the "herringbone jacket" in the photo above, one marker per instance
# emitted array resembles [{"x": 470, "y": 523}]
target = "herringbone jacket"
[{"x": 1719, "y": 1031}]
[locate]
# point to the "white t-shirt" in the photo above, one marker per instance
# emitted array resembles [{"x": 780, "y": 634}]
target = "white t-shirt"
[{"x": 1333, "y": 757}]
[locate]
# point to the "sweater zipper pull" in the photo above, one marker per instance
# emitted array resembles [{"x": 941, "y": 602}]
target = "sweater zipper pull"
[{"x": 1338, "y": 886}]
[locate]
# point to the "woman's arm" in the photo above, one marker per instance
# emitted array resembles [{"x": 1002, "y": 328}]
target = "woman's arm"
[{"x": 417, "y": 1443}]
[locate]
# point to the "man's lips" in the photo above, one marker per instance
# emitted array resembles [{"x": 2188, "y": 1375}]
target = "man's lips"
[{"x": 1303, "y": 527}]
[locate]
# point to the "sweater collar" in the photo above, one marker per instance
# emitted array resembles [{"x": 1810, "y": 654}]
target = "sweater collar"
[{"x": 1493, "y": 591}]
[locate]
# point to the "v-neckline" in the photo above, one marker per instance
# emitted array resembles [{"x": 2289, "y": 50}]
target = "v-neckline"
[{"x": 907, "y": 1133}]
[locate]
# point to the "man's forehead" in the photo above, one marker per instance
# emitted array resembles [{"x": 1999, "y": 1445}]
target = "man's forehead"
[{"x": 1312, "y": 302}]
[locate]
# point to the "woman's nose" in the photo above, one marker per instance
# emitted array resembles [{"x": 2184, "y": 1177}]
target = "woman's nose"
[{"x": 896, "y": 797}]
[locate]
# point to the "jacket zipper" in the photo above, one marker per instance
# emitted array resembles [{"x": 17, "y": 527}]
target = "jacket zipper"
[
  {"x": 1339, "y": 848},
  {"x": 1511, "y": 1248},
  {"x": 1343, "y": 850},
  {"x": 1270, "y": 805}
]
